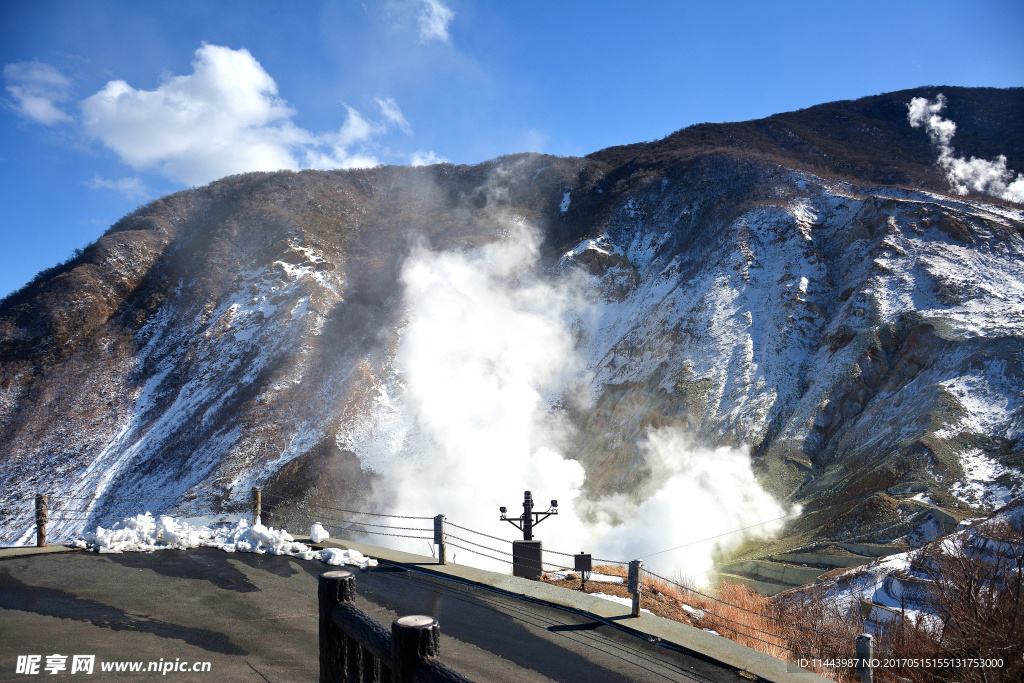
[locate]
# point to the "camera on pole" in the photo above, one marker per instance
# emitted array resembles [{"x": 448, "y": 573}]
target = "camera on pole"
[{"x": 526, "y": 554}]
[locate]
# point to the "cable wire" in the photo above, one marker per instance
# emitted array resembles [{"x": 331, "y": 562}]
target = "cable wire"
[
  {"x": 474, "y": 531},
  {"x": 108, "y": 498},
  {"x": 372, "y": 514},
  {"x": 540, "y": 565},
  {"x": 477, "y": 552},
  {"x": 493, "y": 550},
  {"x": 380, "y": 526},
  {"x": 729, "y": 604},
  {"x": 381, "y": 533},
  {"x": 710, "y": 538}
]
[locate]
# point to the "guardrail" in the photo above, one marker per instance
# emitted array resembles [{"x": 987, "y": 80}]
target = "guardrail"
[{"x": 355, "y": 648}]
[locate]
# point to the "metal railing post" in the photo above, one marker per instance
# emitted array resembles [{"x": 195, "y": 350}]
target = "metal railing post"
[
  {"x": 635, "y": 583},
  {"x": 257, "y": 504},
  {"x": 865, "y": 653},
  {"x": 439, "y": 533},
  {"x": 42, "y": 516},
  {"x": 335, "y": 588},
  {"x": 413, "y": 639}
]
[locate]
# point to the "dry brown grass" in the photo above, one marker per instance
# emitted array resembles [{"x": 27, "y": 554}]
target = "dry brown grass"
[
  {"x": 979, "y": 602},
  {"x": 740, "y": 614}
]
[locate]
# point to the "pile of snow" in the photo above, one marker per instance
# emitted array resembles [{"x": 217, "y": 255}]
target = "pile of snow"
[
  {"x": 622, "y": 601},
  {"x": 318, "y": 534},
  {"x": 145, "y": 533}
]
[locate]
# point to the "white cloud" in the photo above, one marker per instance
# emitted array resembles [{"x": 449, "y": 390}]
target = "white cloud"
[
  {"x": 434, "y": 20},
  {"x": 37, "y": 88},
  {"x": 132, "y": 188},
  {"x": 426, "y": 158},
  {"x": 224, "y": 118},
  {"x": 980, "y": 175},
  {"x": 389, "y": 108}
]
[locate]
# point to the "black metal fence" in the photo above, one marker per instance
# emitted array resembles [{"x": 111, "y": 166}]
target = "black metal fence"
[{"x": 355, "y": 648}]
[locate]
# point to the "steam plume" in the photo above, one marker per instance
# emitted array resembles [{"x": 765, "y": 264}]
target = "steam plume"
[
  {"x": 989, "y": 177},
  {"x": 467, "y": 420}
]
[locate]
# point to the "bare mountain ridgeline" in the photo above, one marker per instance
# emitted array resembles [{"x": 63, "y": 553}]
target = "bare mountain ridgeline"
[{"x": 805, "y": 285}]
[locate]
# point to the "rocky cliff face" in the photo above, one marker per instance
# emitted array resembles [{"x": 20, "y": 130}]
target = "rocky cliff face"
[{"x": 863, "y": 339}]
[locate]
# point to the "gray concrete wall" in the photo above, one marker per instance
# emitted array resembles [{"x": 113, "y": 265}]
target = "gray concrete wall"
[
  {"x": 762, "y": 587},
  {"x": 819, "y": 558},
  {"x": 872, "y": 549},
  {"x": 774, "y": 571}
]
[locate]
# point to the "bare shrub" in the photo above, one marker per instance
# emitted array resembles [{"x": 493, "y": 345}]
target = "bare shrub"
[{"x": 976, "y": 596}]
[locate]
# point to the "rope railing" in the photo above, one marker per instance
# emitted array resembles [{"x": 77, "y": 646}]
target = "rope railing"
[
  {"x": 477, "y": 552},
  {"x": 800, "y": 646},
  {"x": 68, "y": 517},
  {"x": 382, "y": 533},
  {"x": 806, "y": 646},
  {"x": 372, "y": 514},
  {"x": 379, "y": 526},
  {"x": 528, "y": 561},
  {"x": 745, "y": 609},
  {"x": 120, "y": 498},
  {"x": 474, "y": 531}
]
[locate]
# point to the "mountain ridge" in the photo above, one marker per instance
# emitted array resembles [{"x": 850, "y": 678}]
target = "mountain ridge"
[{"x": 226, "y": 336}]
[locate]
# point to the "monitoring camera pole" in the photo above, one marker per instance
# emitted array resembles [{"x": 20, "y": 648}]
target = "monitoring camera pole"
[
  {"x": 529, "y": 518},
  {"x": 526, "y": 554}
]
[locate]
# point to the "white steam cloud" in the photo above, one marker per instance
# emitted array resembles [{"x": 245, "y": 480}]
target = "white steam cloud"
[
  {"x": 693, "y": 494},
  {"x": 426, "y": 158},
  {"x": 467, "y": 420},
  {"x": 980, "y": 175}
]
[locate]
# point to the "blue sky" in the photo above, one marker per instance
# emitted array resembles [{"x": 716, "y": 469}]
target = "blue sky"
[{"x": 108, "y": 104}]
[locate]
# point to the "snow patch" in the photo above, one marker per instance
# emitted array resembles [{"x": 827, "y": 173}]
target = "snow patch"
[
  {"x": 978, "y": 486},
  {"x": 628, "y": 602}
]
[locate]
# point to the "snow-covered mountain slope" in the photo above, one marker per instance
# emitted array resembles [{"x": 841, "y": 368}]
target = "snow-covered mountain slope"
[
  {"x": 903, "y": 585},
  {"x": 864, "y": 342}
]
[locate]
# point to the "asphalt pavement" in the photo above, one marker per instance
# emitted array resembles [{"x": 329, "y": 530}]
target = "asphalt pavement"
[{"x": 254, "y": 618}]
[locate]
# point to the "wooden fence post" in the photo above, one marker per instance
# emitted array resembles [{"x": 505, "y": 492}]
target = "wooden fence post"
[
  {"x": 256, "y": 504},
  {"x": 413, "y": 639},
  {"x": 335, "y": 588},
  {"x": 439, "y": 538},
  {"x": 42, "y": 515},
  {"x": 865, "y": 653},
  {"x": 635, "y": 584}
]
